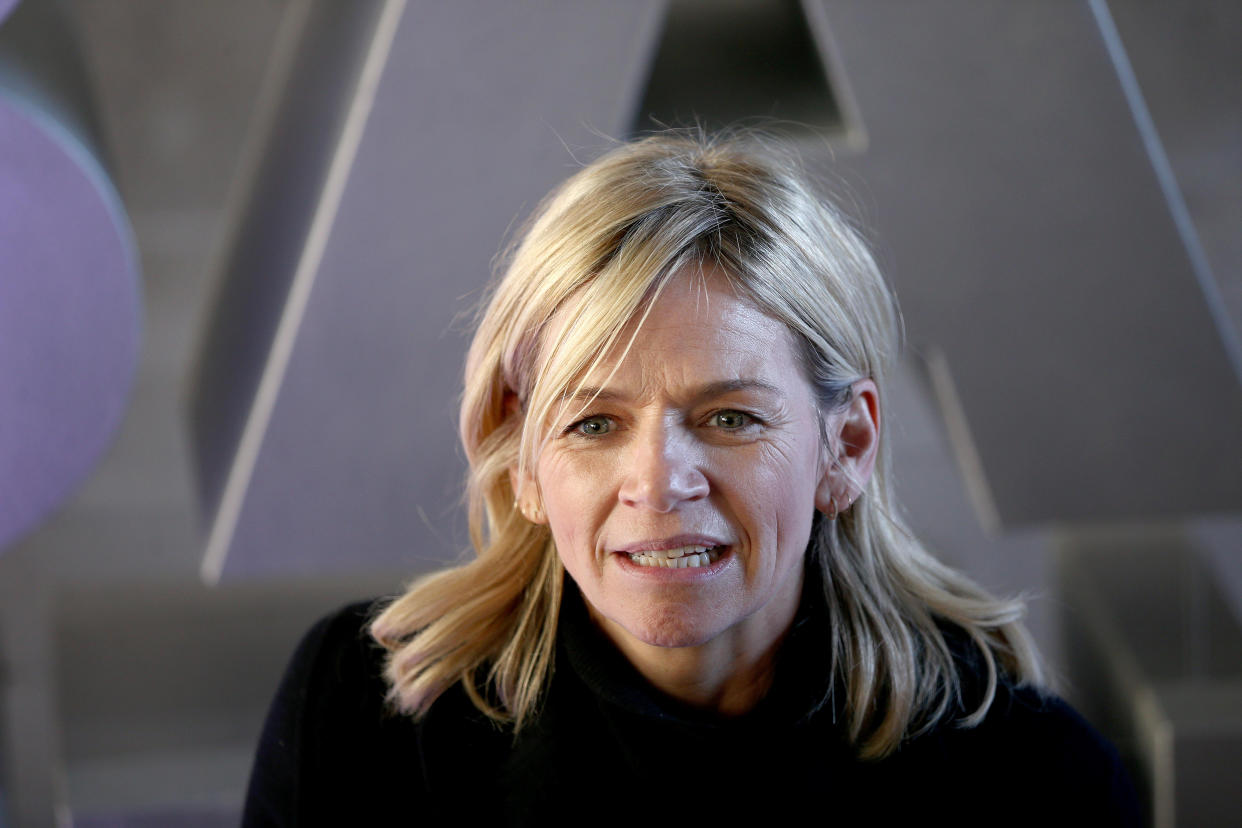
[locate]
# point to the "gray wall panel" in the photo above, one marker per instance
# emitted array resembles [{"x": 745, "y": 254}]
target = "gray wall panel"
[
  {"x": 1017, "y": 213},
  {"x": 360, "y": 466},
  {"x": 1030, "y": 242}
]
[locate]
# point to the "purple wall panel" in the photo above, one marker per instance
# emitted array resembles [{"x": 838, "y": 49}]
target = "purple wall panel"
[{"x": 69, "y": 315}]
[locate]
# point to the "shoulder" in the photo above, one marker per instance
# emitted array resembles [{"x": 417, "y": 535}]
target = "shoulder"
[
  {"x": 1035, "y": 757},
  {"x": 334, "y": 752},
  {"x": 337, "y": 652},
  {"x": 1032, "y": 757},
  {"x": 329, "y": 729},
  {"x": 1051, "y": 734},
  {"x": 337, "y": 670},
  {"x": 1064, "y": 750},
  {"x": 1019, "y": 713}
]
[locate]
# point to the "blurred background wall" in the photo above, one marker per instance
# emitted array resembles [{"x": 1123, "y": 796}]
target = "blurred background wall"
[{"x": 317, "y": 191}]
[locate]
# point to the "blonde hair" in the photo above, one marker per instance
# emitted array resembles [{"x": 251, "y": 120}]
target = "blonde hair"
[{"x": 614, "y": 234}]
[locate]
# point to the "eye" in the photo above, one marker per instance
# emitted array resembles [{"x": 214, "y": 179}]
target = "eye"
[
  {"x": 730, "y": 420},
  {"x": 591, "y": 426}
]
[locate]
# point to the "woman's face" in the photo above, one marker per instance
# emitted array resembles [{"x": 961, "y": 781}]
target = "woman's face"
[{"x": 681, "y": 497}]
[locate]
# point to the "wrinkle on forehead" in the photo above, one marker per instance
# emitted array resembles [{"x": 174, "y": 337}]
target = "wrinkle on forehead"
[
  {"x": 751, "y": 336},
  {"x": 739, "y": 338}
]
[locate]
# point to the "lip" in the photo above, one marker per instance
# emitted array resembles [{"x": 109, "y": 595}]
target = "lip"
[{"x": 674, "y": 542}]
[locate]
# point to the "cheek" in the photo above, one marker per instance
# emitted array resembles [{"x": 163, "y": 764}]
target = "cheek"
[
  {"x": 572, "y": 494},
  {"x": 780, "y": 498},
  {"x": 785, "y": 476},
  {"x": 579, "y": 472}
]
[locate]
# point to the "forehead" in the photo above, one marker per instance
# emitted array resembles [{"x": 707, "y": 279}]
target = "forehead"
[{"x": 698, "y": 330}]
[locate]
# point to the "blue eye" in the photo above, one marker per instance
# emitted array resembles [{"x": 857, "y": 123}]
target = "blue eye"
[
  {"x": 592, "y": 426},
  {"x": 731, "y": 420}
]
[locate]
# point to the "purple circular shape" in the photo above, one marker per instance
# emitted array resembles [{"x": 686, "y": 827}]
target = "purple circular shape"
[
  {"x": 6, "y": 6},
  {"x": 69, "y": 316}
]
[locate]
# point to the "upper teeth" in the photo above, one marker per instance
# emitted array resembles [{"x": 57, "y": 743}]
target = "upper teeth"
[
  {"x": 674, "y": 553},
  {"x": 680, "y": 557}
]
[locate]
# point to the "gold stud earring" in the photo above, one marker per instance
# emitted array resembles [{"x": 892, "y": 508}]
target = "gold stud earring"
[{"x": 534, "y": 513}]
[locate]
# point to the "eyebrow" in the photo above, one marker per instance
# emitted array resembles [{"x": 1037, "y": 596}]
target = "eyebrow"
[{"x": 712, "y": 389}]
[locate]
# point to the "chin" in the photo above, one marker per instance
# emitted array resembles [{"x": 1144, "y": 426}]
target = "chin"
[{"x": 671, "y": 627}]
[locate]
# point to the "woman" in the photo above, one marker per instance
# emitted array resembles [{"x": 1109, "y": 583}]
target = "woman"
[{"x": 675, "y": 396}]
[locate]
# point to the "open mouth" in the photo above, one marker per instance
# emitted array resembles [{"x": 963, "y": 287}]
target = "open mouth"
[{"x": 682, "y": 557}]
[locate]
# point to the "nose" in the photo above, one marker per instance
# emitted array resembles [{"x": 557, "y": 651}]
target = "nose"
[{"x": 661, "y": 471}]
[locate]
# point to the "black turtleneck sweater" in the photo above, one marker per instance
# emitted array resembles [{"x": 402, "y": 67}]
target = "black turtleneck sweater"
[{"x": 608, "y": 748}]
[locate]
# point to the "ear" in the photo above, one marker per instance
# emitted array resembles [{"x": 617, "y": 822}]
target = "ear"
[
  {"x": 853, "y": 433},
  {"x": 525, "y": 488},
  {"x": 527, "y": 497}
]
